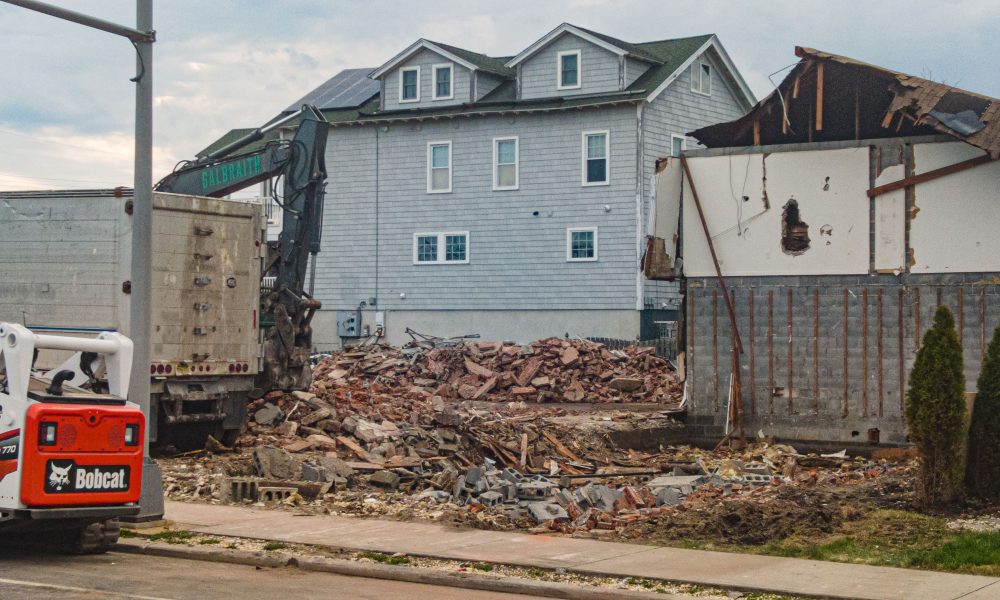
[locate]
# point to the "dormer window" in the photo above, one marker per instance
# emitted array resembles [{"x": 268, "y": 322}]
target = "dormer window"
[
  {"x": 443, "y": 89},
  {"x": 701, "y": 78},
  {"x": 568, "y": 77},
  {"x": 409, "y": 84}
]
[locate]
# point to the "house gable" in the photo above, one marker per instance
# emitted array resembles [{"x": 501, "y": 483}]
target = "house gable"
[
  {"x": 425, "y": 64},
  {"x": 600, "y": 69}
]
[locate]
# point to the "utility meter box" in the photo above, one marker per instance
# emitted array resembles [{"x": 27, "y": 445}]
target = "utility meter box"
[{"x": 349, "y": 323}]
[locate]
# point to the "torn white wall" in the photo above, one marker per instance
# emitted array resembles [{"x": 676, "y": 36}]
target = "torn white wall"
[
  {"x": 954, "y": 226},
  {"x": 745, "y": 198},
  {"x": 890, "y": 223}
]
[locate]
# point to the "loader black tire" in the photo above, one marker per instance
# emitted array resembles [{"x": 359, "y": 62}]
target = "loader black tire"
[{"x": 97, "y": 538}]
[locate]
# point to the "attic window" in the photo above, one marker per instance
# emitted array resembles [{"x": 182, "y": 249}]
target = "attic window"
[
  {"x": 701, "y": 78},
  {"x": 409, "y": 84},
  {"x": 569, "y": 70},
  {"x": 443, "y": 89},
  {"x": 794, "y": 232}
]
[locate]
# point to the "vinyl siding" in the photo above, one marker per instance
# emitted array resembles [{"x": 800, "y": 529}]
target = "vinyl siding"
[
  {"x": 633, "y": 69},
  {"x": 599, "y": 69},
  {"x": 516, "y": 260},
  {"x": 426, "y": 59},
  {"x": 678, "y": 110},
  {"x": 486, "y": 83}
]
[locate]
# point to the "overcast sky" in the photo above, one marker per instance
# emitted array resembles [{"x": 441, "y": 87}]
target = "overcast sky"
[{"x": 66, "y": 103}]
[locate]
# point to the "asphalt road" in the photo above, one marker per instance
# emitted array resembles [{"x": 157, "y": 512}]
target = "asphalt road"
[{"x": 36, "y": 575}]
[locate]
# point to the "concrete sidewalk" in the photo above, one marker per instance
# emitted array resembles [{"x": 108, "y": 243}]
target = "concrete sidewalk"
[{"x": 740, "y": 571}]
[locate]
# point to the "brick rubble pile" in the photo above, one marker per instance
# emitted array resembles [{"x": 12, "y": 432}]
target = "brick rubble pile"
[{"x": 550, "y": 370}]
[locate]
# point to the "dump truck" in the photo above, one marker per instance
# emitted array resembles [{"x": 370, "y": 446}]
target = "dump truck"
[
  {"x": 66, "y": 257},
  {"x": 218, "y": 331}
]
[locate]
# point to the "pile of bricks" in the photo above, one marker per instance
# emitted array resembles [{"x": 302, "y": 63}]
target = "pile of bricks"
[{"x": 550, "y": 370}]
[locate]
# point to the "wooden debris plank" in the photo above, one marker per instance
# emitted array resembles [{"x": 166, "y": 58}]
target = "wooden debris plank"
[
  {"x": 355, "y": 448},
  {"x": 560, "y": 447}
]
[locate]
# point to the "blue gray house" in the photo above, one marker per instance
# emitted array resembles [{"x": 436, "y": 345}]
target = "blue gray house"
[{"x": 508, "y": 196}]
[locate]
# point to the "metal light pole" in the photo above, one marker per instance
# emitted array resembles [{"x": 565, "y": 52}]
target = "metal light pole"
[{"x": 142, "y": 37}]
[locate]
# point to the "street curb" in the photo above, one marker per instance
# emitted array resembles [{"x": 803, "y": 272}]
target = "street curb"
[{"x": 506, "y": 585}]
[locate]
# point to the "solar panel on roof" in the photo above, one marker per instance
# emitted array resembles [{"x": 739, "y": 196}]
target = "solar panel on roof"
[{"x": 347, "y": 89}]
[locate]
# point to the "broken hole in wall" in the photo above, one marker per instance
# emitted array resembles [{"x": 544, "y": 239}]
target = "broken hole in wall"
[{"x": 794, "y": 232}]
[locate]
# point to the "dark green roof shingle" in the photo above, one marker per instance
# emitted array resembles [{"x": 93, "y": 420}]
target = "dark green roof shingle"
[
  {"x": 485, "y": 63},
  {"x": 671, "y": 54},
  {"x": 635, "y": 49}
]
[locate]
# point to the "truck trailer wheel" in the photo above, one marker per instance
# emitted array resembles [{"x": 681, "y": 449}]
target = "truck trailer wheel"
[{"x": 96, "y": 538}]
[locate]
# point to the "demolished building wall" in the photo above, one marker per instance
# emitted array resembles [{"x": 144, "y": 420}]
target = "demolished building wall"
[
  {"x": 842, "y": 212},
  {"x": 830, "y": 332}
]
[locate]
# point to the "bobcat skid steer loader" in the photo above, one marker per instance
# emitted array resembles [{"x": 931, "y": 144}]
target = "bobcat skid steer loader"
[{"x": 70, "y": 457}]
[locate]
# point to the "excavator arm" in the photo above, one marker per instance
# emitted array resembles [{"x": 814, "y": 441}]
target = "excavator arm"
[{"x": 286, "y": 308}]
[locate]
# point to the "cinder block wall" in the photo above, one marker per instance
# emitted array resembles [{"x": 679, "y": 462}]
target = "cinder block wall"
[{"x": 826, "y": 358}]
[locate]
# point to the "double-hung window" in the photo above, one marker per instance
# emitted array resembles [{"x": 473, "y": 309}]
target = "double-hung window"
[
  {"x": 701, "y": 78},
  {"x": 568, "y": 67},
  {"x": 595, "y": 158},
  {"x": 409, "y": 84},
  {"x": 451, "y": 247},
  {"x": 581, "y": 244},
  {"x": 505, "y": 163},
  {"x": 438, "y": 167},
  {"x": 443, "y": 89}
]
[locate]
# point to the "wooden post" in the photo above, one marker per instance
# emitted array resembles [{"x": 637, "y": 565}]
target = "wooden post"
[
  {"x": 737, "y": 342},
  {"x": 753, "y": 361},
  {"x": 819, "y": 97},
  {"x": 857, "y": 113},
  {"x": 791, "y": 370},
  {"x": 816, "y": 351},
  {"x": 845, "y": 409},
  {"x": 864, "y": 353},
  {"x": 770, "y": 351}
]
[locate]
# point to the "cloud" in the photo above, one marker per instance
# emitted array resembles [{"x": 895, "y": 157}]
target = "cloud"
[{"x": 236, "y": 63}]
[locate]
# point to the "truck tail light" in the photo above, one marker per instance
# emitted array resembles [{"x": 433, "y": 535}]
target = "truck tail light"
[
  {"x": 160, "y": 369},
  {"x": 132, "y": 435},
  {"x": 47, "y": 434},
  {"x": 246, "y": 367}
]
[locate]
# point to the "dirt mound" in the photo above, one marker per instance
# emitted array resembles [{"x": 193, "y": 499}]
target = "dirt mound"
[{"x": 740, "y": 522}]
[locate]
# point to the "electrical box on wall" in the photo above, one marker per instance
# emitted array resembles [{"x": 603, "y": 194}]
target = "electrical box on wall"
[{"x": 349, "y": 323}]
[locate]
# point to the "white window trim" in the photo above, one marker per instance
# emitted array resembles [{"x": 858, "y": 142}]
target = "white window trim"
[
  {"x": 430, "y": 163},
  {"x": 682, "y": 138},
  {"x": 607, "y": 157},
  {"x": 434, "y": 80},
  {"x": 517, "y": 163},
  {"x": 559, "y": 70},
  {"x": 441, "y": 250},
  {"x": 696, "y": 66},
  {"x": 569, "y": 244},
  {"x": 401, "y": 71}
]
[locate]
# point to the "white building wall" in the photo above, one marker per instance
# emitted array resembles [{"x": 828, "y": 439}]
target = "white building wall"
[
  {"x": 743, "y": 210},
  {"x": 954, "y": 226}
]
